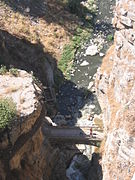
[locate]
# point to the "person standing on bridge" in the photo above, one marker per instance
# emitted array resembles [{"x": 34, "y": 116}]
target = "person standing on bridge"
[{"x": 91, "y": 132}]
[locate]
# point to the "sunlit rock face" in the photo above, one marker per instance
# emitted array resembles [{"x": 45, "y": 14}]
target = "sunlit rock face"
[
  {"x": 22, "y": 89},
  {"x": 116, "y": 93}
]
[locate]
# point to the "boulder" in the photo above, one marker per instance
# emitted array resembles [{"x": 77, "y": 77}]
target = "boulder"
[
  {"x": 90, "y": 85},
  {"x": 84, "y": 63},
  {"x": 101, "y": 54},
  {"x": 92, "y": 50}
]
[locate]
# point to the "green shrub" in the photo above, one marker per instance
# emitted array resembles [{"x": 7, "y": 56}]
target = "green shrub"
[
  {"x": 92, "y": 6},
  {"x": 110, "y": 37},
  {"x": 3, "y": 70},
  {"x": 7, "y": 112},
  {"x": 66, "y": 61},
  {"x": 67, "y": 57},
  {"x": 14, "y": 71}
]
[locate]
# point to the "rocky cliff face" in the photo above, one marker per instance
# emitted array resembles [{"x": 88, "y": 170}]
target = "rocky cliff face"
[
  {"x": 116, "y": 94},
  {"x": 24, "y": 152}
]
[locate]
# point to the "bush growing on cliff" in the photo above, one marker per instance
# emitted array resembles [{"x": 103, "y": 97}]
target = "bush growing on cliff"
[
  {"x": 12, "y": 71},
  {"x": 7, "y": 112},
  {"x": 110, "y": 37},
  {"x": 3, "y": 70}
]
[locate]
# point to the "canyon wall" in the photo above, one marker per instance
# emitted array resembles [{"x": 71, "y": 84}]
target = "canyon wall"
[
  {"x": 24, "y": 152},
  {"x": 116, "y": 93}
]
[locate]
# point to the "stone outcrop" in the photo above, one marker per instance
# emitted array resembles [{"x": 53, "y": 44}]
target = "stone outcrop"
[
  {"x": 24, "y": 152},
  {"x": 116, "y": 93},
  {"x": 22, "y": 89}
]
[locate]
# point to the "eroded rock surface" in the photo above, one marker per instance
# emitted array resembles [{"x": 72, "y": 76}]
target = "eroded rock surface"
[
  {"x": 22, "y": 89},
  {"x": 116, "y": 94},
  {"x": 24, "y": 152}
]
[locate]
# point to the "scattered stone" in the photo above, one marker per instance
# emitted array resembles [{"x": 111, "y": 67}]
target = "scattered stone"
[
  {"x": 86, "y": 74},
  {"x": 101, "y": 54},
  {"x": 92, "y": 106},
  {"x": 84, "y": 63},
  {"x": 49, "y": 121},
  {"x": 93, "y": 89},
  {"x": 92, "y": 50},
  {"x": 90, "y": 77},
  {"x": 90, "y": 85},
  {"x": 27, "y": 10}
]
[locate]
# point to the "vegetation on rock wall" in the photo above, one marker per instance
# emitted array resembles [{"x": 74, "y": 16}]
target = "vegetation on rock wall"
[
  {"x": 13, "y": 71},
  {"x": 3, "y": 70},
  {"x": 110, "y": 37},
  {"x": 80, "y": 36},
  {"x": 85, "y": 10},
  {"x": 7, "y": 112}
]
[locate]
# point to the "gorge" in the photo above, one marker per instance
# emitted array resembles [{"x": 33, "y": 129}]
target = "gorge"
[{"x": 98, "y": 93}]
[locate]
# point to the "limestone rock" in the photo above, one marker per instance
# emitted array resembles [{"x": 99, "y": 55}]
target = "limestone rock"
[
  {"x": 92, "y": 50},
  {"x": 24, "y": 92},
  {"x": 84, "y": 63},
  {"x": 101, "y": 54},
  {"x": 90, "y": 85},
  {"x": 92, "y": 106},
  {"x": 115, "y": 84},
  {"x": 27, "y": 144},
  {"x": 27, "y": 10},
  {"x": 49, "y": 121}
]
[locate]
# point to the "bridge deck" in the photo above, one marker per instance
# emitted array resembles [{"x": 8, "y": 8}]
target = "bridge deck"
[{"x": 74, "y": 135}]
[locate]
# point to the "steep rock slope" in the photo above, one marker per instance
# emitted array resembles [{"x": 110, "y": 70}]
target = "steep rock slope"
[
  {"x": 116, "y": 94},
  {"x": 43, "y": 21},
  {"x": 24, "y": 152}
]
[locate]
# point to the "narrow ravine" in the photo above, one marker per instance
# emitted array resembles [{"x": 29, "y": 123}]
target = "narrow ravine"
[
  {"x": 67, "y": 91},
  {"x": 77, "y": 102},
  {"x": 79, "y": 92}
]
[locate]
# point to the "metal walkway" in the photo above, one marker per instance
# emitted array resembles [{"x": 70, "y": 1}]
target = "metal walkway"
[{"x": 74, "y": 135}]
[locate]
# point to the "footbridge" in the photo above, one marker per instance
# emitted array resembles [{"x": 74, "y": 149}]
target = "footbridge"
[{"x": 74, "y": 135}]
